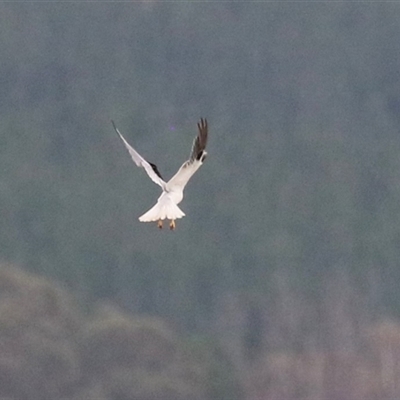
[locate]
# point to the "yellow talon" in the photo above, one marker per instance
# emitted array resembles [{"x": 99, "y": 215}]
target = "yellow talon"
[
  {"x": 159, "y": 224},
  {"x": 172, "y": 224}
]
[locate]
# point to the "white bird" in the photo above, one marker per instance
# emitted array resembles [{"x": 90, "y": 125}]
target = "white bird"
[{"x": 172, "y": 191}]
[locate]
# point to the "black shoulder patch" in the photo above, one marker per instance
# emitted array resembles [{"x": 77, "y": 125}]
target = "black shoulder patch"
[
  {"x": 199, "y": 155},
  {"x": 155, "y": 169}
]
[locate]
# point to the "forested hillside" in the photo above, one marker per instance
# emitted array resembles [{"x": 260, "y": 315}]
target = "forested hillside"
[
  {"x": 292, "y": 236},
  {"x": 51, "y": 349}
]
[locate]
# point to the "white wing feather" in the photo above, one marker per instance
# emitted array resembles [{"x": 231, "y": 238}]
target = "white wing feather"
[
  {"x": 197, "y": 156},
  {"x": 151, "y": 169}
]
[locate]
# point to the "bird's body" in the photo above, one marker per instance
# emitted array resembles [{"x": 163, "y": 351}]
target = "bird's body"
[
  {"x": 167, "y": 204},
  {"x": 165, "y": 208}
]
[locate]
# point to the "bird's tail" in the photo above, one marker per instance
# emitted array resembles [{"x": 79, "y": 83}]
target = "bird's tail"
[{"x": 161, "y": 211}]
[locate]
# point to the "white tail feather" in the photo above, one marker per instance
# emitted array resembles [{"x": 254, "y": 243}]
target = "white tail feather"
[{"x": 161, "y": 211}]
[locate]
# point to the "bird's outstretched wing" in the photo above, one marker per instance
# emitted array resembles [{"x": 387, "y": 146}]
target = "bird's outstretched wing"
[
  {"x": 151, "y": 169},
  {"x": 197, "y": 156}
]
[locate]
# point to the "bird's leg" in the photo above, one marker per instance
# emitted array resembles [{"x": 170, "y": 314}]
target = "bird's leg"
[
  {"x": 172, "y": 224},
  {"x": 159, "y": 223}
]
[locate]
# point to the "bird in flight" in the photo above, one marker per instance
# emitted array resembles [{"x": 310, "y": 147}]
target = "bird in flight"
[{"x": 172, "y": 191}]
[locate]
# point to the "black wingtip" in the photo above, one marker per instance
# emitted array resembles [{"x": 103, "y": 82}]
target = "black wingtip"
[{"x": 202, "y": 124}]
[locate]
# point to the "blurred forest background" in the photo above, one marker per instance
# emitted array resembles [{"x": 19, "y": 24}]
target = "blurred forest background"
[{"x": 282, "y": 283}]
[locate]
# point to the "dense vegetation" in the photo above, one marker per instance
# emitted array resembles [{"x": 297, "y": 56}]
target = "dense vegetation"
[
  {"x": 51, "y": 350},
  {"x": 291, "y": 239}
]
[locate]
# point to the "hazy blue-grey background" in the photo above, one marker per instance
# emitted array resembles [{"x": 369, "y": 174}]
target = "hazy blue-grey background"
[{"x": 290, "y": 251}]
